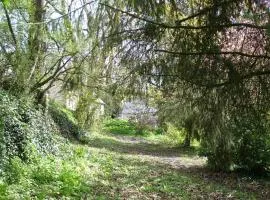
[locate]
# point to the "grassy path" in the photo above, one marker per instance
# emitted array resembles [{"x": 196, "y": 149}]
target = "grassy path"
[
  {"x": 175, "y": 157},
  {"x": 124, "y": 167},
  {"x": 140, "y": 169}
]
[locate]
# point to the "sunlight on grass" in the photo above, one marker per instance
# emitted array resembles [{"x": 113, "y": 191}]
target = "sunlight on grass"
[
  {"x": 95, "y": 172},
  {"x": 125, "y": 127},
  {"x": 172, "y": 137}
]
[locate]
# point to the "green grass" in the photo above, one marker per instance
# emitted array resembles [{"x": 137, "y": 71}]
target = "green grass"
[
  {"x": 119, "y": 167},
  {"x": 173, "y": 136},
  {"x": 125, "y": 127}
]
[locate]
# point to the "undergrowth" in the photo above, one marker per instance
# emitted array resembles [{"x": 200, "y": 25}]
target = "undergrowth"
[
  {"x": 43, "y": 177},
  {"x": 172, "y": 136},
  {"x": 65, "y": 121},
  {"x": 88, "y": 172},
  {"x": 125, "y": 127},
  {"x": 130, "y": 163},
  {"x": 22, "y": 125}
]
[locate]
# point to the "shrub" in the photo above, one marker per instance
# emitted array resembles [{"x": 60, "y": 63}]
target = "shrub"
[
  {"x": 22, "y": 126},
  {"x": 117, "y": 126},
  {"x": 174, "y": 135},
  {"x": 128, "y": 127},
  {"x": 14, "y": 170},
  {"x": 252, "y": 143},
  {"x": 45, "y": 177},
  {"x": 244, "y": 143},
  {"x": 65, "y": 121}
]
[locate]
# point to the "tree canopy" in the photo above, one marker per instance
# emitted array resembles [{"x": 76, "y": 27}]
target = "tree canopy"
[{"x": 207, "y": 59}]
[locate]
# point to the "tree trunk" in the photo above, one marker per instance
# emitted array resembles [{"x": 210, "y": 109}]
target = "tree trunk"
[
  {"x": 187, "y": 139},
  {"x": 35, "y": 39},
  {"x": 189, "y": 129}
]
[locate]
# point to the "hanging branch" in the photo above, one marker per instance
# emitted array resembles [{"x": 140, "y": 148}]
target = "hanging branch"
[
  {"x": 179, "y": 26},
  {"x": 212, "y": 53},
  {"x": 63, "y": 15}
]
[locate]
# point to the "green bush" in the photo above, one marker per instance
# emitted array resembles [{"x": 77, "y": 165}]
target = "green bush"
[
  {"x": 125, "y": 127},
  {"x": 174, "y": 135},
  {"x": 28, "y": 166},
  {"x": 22, "y": 126},
  {"x": 244, "y": 144},
  {"x": 117, "y": 126},
  {"x": 252, "y": 143},
  {"x": 66, "y": 122},
  {"x": 45, "y": 177},
  {"x": 15, "y": 170}
]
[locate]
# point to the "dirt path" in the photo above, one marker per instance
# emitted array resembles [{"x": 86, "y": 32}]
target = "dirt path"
[{"x": 155, "y": 164}]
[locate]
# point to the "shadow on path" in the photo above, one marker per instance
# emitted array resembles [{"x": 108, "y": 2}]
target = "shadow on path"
[
  {"x": 179, "y": 160},
  {"x": 139, "y": 146}
]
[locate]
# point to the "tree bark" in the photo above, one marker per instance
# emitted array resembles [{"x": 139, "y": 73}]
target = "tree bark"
[{"x": 35, "y": 38}]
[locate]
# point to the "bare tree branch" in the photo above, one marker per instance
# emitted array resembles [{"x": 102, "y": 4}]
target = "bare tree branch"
[{"x": 54, "y": 75}]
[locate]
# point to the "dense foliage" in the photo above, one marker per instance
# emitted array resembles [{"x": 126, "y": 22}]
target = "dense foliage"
[
  {"x": 65, "y": 121},
  {"x": 24, "y": 129},
  {"x": 207, "y": 60}
]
